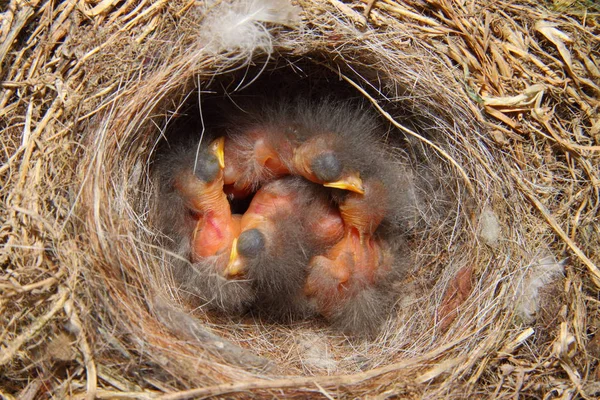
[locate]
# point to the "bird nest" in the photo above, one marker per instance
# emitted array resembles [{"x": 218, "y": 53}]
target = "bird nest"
[{"x": 496, "y": 104}]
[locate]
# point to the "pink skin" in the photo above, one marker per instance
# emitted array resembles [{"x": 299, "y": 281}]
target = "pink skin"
[{"x": 216, "y": 227}]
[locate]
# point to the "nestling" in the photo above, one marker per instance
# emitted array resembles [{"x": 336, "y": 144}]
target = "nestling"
[
  {"x": 325, "y": 218},
  {"x": 348, "y": 284},
  {"x": 199, "y": 216},
  {"x": 273, "y": 248}
]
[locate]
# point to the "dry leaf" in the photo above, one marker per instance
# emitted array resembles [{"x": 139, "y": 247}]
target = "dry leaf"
[
  {"x": 458, "y": 291},
  {"x": 526, "y": 100},
  {"x": 503, "y": 117},
  {"x": 103, "y": 7},
  {"x": 558, "y": 38}
]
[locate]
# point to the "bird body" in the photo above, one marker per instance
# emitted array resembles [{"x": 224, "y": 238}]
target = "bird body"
[
  {"x": 277, "y": 143},
  {"x": 272, "y": 250},
  {"x": 216, "y": 226},
  {"x": 197, "y": 210},
  {"x": 359, "y": 261},
  {"x": 202, "y": 192}
]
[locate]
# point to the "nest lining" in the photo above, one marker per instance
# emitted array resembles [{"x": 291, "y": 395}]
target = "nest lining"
[{"x": 124, "y": 310}]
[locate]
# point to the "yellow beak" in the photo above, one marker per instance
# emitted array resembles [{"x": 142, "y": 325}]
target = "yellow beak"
[
  {"x": 218, "y": 149},
  {"x": 235, "y": 267},
  {"x": 352, "y": 182}
]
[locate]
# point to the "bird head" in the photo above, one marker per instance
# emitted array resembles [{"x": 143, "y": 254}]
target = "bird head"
[
  {"x": 318, "y": 160},
  {"x": 248, "y": 247},
  {"x": 211, "y": 162},
  {"x": 202, "y": 187}
]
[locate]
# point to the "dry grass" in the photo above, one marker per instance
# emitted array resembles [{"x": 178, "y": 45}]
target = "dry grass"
[{"x": 501, "y": 99}]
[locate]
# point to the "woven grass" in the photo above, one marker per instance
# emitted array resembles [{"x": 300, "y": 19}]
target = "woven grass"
[{"x": 500, "y": 99}]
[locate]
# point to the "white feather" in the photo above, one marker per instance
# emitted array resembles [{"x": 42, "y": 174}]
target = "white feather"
[
  {"x": 543, "y": 271},
  {"x": 242, "y": 25},
  {"x": 316, "y": 353}
]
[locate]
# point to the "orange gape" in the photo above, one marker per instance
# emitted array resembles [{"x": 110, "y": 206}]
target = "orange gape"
[{"x": 362, "y": 212}]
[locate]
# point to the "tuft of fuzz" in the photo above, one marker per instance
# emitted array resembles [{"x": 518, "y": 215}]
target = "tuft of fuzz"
[
  {"x": 316, "y": 353},
  {"x": 543, "y": 271},
  {"x": 489, "y": 227},
  {"x": 243, "y": 25}
]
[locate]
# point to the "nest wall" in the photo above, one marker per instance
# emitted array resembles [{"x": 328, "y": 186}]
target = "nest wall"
[{"x": 498, "y": 102}]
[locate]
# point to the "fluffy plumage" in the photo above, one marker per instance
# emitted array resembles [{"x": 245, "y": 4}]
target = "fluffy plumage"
[
  {"x": 349, "y": 284},
  {"x": 203, "y": 284},
  {"x": 241, "y": 25},
  {"x": 195, "y": 213},
  {"x": 273, "y": 249},
  {"x": 544, "y": 271}
]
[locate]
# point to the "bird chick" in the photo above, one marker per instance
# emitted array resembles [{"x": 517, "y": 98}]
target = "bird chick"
[
  {"x": 260, "y": 155},
  {"x": 255, "y": 156},
  {"x": 202, "y": 192},
  {"x": 273, "y": 249},
  {"x": 324, "y": 142},
  {"x": 318, "y": 160},
  {"x": 347, "y": 284},
  {"x": 194, "y": 198},
  {"x": 301, "y": 235}
]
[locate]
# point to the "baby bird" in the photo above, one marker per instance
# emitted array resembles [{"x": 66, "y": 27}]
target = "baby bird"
[
  {"x": 260, "y": 156},
  {"x": 328, "y": 143},
  {"x": 255, "y": 156},
  {"x": 348, "y": 284},
  {"x": 318, "y": 160},
  {"x": 208, "y": 227},
  {"x": 202, "y": 192},
  {"x": 275, "y": 244}
]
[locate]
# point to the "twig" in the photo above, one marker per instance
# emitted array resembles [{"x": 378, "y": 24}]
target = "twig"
[
  {"x": 90, "y": 366},
  {"x": 559, "y": 231},
  {"x": 11, "y": 349}
]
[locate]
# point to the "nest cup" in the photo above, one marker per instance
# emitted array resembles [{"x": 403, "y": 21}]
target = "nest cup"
[
  {"x": 426, "y": 122},
  {"x": 467, "y": 303}
]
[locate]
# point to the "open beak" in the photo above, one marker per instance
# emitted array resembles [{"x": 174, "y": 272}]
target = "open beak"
[
  {"x": 218, "y": 149},
  {"x": 235, "y": 267},
  {"x": 351, "y": 182}
]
